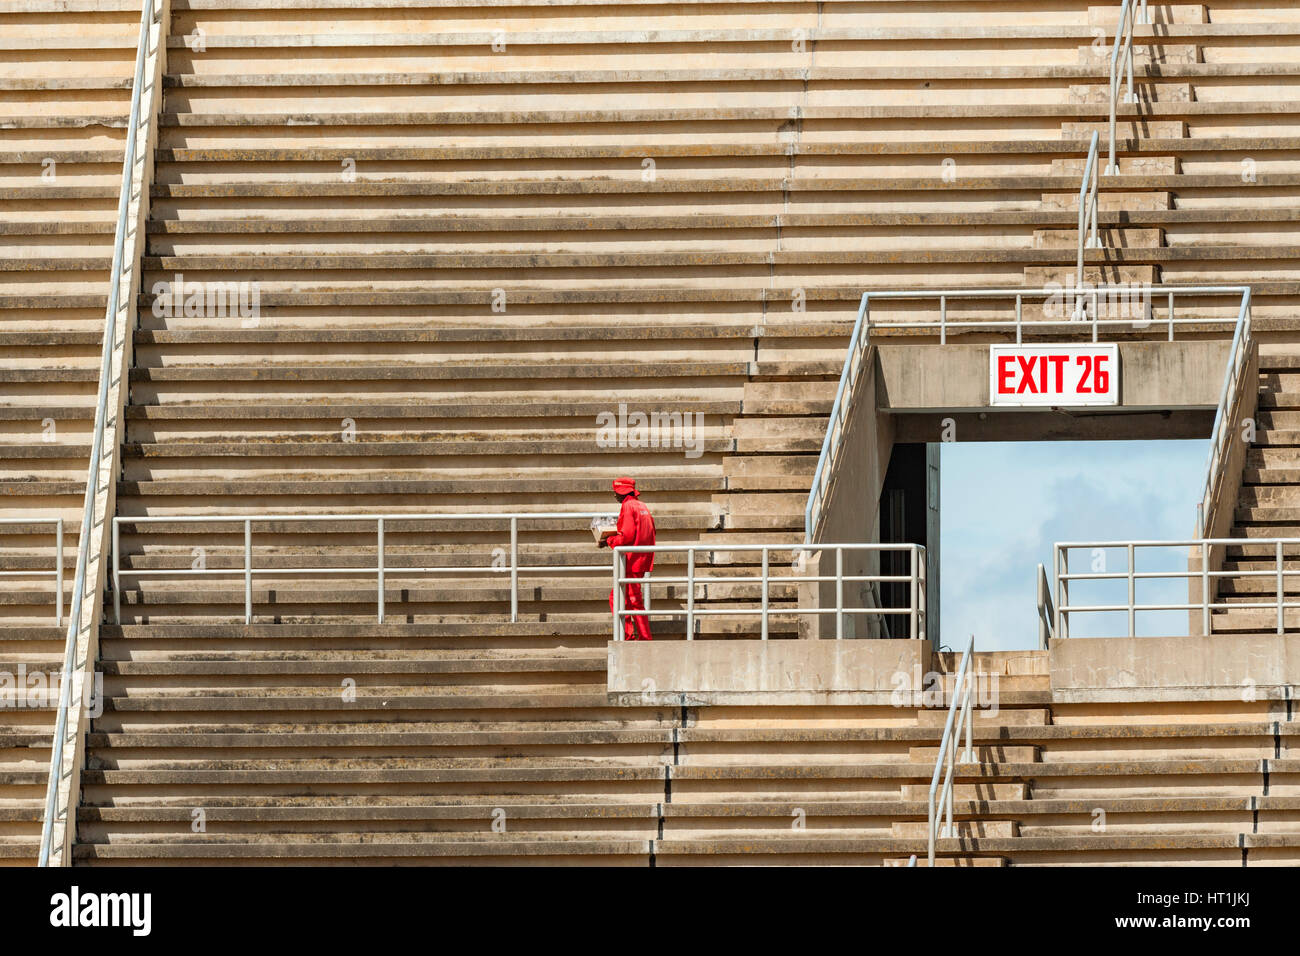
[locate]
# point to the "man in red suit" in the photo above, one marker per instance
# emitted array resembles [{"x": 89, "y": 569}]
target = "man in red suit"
[{"x": 636, "y": 527}]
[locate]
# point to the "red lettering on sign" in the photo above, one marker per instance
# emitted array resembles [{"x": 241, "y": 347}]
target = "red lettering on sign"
[
  {"x": 1058, "y": 361},
  {"x": 1027, "y": 378},
  {"x": 1004, "y": 374}
]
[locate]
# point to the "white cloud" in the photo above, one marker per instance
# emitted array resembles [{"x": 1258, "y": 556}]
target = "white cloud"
[{"x": 1004, "y": 505}]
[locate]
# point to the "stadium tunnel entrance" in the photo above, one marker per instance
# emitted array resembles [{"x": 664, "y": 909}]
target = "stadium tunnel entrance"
[{"x": 919, "y": 398}]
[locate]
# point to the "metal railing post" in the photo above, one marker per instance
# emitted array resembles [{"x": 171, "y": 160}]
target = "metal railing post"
[
  {"x": 968, "y": 706},
  {"x": 1281, "y": 623},
  {"x": 1128, "y": 55},
  {"x": 690, "y": 594},
  {"x": 617, "y": 594},
  {"x": 248, "y": 571},
  {"x": 1205, "y": 588},
  {"x": 948, "y": 786},
  {"x": 1062, "y": 561},
  {"x": 839, "y": 593},
  {"x": 764, "y": 585},
  {"x": 58, "y": 573},
  {"x": 117, "y": 577},
  {"x": 514, "y": 569},
  {"x": 930, "y": 817},
  {"x": 912, "y": 605},
  {"x": 1093, "y": 209},
  {"x": 922, "y": 595},
  {"x": 380, "y": 569},
  {"x": 1132, "y": 593}
]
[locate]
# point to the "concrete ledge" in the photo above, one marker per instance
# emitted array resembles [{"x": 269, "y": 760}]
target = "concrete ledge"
[
  {"x": 1217, "y": 667},
  {"x": 764, "y": 672}
]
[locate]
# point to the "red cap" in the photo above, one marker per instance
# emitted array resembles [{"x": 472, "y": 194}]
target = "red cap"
[{"x": 625, "y": 486}]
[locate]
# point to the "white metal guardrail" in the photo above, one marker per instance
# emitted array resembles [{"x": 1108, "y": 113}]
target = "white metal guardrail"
[
  {"x": 701, "y": 576},
  {"x": 1224, "y": 417},
  {"x": 1156, "y": 308},
  {"x": 1121, "y": 63},
  {"x": 960, "y": 718},
  {"x": 1087, "y": 224},
  {"x": 56, "y": 572},
  {"x": 147, "y": 20},
  {"x": 381, "y": 569},
  {"x": 1273, "y": 598}
]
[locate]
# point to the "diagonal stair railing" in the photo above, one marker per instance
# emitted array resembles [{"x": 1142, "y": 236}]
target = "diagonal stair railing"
[
  {"x": 960, "y": 717},
  {"x": 1227, "y": 416},
  {"x": 148, "y": 17},
  {"x": 1121, "y": 64},
  {"x": 1087, "y": 237}
]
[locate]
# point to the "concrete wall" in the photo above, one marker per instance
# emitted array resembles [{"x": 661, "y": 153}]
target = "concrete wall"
[
  {"x": 1185, "y": 374},
  {"x": 769, "y": 672},
  {"x": 1175, "y": 668},
  {"x": 852, "y": 511}
]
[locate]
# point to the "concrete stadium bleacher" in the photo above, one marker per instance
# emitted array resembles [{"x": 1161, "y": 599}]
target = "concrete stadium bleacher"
[{"x": 387, "y": 178}]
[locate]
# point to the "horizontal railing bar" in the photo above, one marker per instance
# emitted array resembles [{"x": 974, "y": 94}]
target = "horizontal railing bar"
[
  {"x": 701, "y": 610},
  {"x": 1165, "y": 575},
  {"x": 369, "y": 516},
  {"x": 1048, "y": 292},
  {"x": 1104, "y": 608}
]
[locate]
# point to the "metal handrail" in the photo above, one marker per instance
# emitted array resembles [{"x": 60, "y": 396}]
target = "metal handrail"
[
  {"x": 859, "y": 345},
  {"x": 854, "y": 363},
  {"x": 1278, "y": 574},
  {"x": 1046, "y": 610},
  {"x": 1238, "y": 353},
  {"x": 381, "y": 568},
  {"x": 101, "y": 415},
  {"x": 957, "y": 722},
  {"x": 57, "y": 572},
  {"x": 1123, "y": 40},
  {"x": 1087, "y": 223},
  {"x": 915, "y": 579}
]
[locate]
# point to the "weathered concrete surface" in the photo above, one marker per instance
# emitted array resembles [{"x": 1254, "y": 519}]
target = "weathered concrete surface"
[
  {"x": 1223, "y": 667},
  {"x": 851, "y": 512},
  {"x": 1177, "y": 375},
  {"x": 769, "y": 672}
]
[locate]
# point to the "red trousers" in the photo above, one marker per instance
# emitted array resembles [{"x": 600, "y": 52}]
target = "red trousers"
[{"x": 636, "y": 628}]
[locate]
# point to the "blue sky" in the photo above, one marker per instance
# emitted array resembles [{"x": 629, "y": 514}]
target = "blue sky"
[{"x": 1004, "y": 504}]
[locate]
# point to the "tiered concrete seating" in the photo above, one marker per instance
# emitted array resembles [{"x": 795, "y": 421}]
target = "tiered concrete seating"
[
  {"x": 1148, "y": 784},
  {"x": 1267, "y": 504},
  {"x": 402, "y": 230},
  {"x": 455, "y": 727},
  {"x": 675, "y": 208}
]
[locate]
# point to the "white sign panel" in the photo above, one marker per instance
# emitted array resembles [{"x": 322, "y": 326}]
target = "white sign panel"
[{"x": 1054, "y": 375}]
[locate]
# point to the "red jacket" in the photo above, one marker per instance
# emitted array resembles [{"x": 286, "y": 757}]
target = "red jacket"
[{"x": 635, "y": 527}]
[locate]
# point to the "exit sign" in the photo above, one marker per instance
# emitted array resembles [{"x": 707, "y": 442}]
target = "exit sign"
[{"x": 1049, "y": 375}]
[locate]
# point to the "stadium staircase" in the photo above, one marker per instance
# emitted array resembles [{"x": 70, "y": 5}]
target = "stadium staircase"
[
  {"x": 1268, "y": 505},
  {"x": 65, "y": 70},
  {"x": 463, "y": 256}
]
